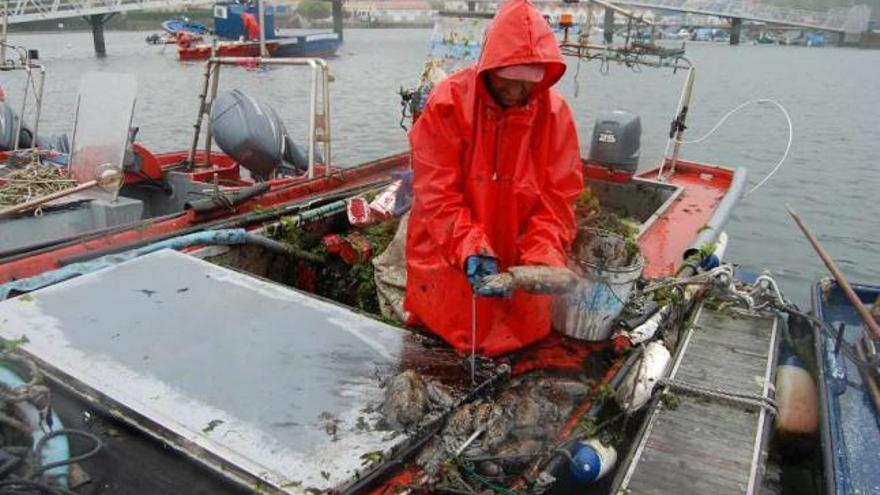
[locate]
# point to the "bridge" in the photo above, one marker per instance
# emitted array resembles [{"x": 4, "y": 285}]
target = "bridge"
[
  {"x": 837, "y": 20},
  {"x": 96, "y": 12},
  {"x": 842, "y": 21},
  {"x": 21, "y": 11}
]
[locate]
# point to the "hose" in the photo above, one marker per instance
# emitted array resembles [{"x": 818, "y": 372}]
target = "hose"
[
  {"x": 737, "y": 109},
  {"x": 77, "y": 458}
]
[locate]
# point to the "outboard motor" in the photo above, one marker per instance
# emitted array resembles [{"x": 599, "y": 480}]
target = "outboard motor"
[
  {"x": 8, "y": 123},
  {"x": 249, "y": 131},
  {"x": 616, "y": 141}
]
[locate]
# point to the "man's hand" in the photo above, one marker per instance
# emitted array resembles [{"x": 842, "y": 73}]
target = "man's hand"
[{"x": 477, "y": 268}]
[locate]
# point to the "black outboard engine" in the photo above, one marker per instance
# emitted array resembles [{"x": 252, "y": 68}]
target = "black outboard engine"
[
  {"x": 616, "y": 141},
  {"x": 249, "y": 131}
]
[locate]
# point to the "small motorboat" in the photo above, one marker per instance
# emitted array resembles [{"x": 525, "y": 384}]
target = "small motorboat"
[
  {"x": 846, "y": 362},
  {"x": 174, "y": 26}
]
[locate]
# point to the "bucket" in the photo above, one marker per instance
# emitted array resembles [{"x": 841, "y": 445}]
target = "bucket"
[{"x": 588, "y": 311}]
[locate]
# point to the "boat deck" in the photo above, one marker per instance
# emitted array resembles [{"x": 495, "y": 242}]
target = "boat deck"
[{"x": 697, "y": 443}]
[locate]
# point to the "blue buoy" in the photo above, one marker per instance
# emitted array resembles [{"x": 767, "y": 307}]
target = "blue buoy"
[
  {"x": 710, "y": 262},
  {"x": 591, "y": 461}
]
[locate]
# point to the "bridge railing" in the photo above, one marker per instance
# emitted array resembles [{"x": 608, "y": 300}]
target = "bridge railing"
[
  {"x": 39, "y": 10},
  {"x": 848, "y": 19}
]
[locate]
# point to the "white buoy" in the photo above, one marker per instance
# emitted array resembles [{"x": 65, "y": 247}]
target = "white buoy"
[{"x": 638, "y": 386}]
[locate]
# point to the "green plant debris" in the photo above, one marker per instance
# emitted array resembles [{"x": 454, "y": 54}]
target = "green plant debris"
[
  {"x": 25, "y": 298},
  {"x": 353, "y": 285},
  {"x": 606, "y": 391},
  {"x": 10, "y": 345},
  {"x": 291, "y": 232},
  {"x": 372, "y": 457},
  {"x": 214, "y": 423},
  {"x": 292, "y": 484},
  {"x": 361, "y": 424},
  {"x": 589, "y": 214},
  {"x": 670, "y": 401},
  {"x": 588, "y": 427},
  {"x": 665, "y": 296}
]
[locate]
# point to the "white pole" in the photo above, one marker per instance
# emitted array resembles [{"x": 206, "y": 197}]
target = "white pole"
[
  {"x": 262, "y": 15},
  {"x": 5, "y": 24}
]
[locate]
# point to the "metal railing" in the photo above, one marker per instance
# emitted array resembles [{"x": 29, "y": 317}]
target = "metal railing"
[
  {"x": 847, "y": 19},
  {"x": 35, "y": 74},
  {"x": 19, "y": 11},
  {"x": 319, "y": 111}
]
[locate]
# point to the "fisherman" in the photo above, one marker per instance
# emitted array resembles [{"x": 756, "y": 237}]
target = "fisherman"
[
  {"x": 251, "y": 26},
  {"x": 496, "y": 171}
]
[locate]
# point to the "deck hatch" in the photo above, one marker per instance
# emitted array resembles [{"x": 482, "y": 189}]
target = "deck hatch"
[{"x": 263, "y": 383}]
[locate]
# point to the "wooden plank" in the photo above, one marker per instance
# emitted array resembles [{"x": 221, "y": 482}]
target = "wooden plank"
[{"x": 707, "y": 445}]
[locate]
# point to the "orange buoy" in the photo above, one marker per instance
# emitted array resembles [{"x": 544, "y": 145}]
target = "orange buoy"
[{"x": 797, "y": 400}]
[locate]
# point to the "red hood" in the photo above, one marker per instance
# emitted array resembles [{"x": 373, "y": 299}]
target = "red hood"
[{"x": 520, "y": 35}]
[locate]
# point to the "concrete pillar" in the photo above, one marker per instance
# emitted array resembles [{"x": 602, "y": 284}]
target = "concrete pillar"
[
  {"x": 608, "y": 26},
  {"x": 337, "y": 17},
  {"x": 736, "y": 24},
  {"x": 97, "y": 22}
]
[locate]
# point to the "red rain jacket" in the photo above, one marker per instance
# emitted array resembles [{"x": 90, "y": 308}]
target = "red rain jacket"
[
  {"x": 251, "y": 26},
  {"x": 492, "y": 181}
]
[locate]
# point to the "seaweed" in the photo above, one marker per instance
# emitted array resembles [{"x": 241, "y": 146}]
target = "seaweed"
[
  {"x": 589, "y": 214},
  {"x": 355, "y": 284}
]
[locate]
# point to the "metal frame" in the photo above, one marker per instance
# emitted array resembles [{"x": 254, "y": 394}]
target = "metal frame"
[
  {"x": 839, "y": 19},
  {"x": 627, "y": 54},
  {"x": 30, "y": 68},
  {"x": 319, "y": 120},
  {"x": 21, "y": 11}
]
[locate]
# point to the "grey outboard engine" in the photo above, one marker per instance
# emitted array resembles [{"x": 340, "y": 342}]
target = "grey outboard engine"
[
  {"x": 250, "y": 132},
  {"x": 8, "y": 124},
  {"x": 616, "y": 141}
]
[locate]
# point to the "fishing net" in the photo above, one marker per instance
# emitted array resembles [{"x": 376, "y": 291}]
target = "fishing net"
[{"x": 32, "y": 181}]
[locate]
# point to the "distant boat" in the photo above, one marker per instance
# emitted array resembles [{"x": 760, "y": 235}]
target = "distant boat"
[
  {"x": 321, "y": 45},
  {"x": 229, "y": 25},
  {"x": 174, "y": 26}
]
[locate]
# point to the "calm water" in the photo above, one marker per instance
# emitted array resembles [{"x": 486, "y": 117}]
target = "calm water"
[{"x": 832, "y": 177}]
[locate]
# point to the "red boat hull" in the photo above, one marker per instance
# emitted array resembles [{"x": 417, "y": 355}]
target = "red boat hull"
[
  {"x": 285, "y": 190},
  {"x": 225, "y": 49}
]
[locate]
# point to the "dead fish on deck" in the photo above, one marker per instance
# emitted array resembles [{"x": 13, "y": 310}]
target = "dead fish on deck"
[{"x": 408, "y": 398}]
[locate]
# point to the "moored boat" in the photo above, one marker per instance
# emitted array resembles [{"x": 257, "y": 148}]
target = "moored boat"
[
  {"x": 158, "y": 196},
  {"x": 845, "y": 353},
  {"x": 234, "y": 39}
]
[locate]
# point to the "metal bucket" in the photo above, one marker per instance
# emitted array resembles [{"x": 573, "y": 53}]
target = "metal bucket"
[{"x": 588, "y": 312}]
